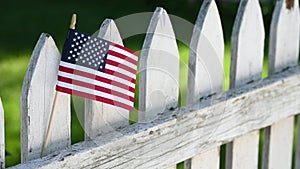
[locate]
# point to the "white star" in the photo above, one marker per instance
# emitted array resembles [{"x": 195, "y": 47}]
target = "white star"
[
  {"x": 100, "y": 67},
  {"x": 74, "y": 39},
  {"x": 78, "y": 37},
  {"x": 76, "y": 33},
  {"x": 84, "y": 39},
  {"x": 83, "y": 61},
  {"x": 81, "y": 41},
  {"x": 79, "y": 47},
  {"x": 73, "y": 55},
  {"x": 76, "y": 59},
  {"x": 82, "y": 35},
  {"x": 77, "y": 43},
  {"x": 69, "y": 57},
  {"x": 95, "y": 65},
  {"x": 72, "y": 46},
  {"x": 71, "y": 51},
  {"x": 89, "y": 63},
  {"x": 75, "y": 49}
]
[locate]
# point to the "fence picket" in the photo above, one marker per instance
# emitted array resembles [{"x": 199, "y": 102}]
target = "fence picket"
[
  {"x": 183, "y": 133},
  {"x": 206, "y": 49},
  {"x": 283, "y": 53},
  {"x": 159, "y": 69},
  {"x": 207, "y": 160},
  {"x": 246, "y": 66},
  {"x": 100, "y": 117},
  {"x": 2, "y": 137},
  {"x": 36, "y": 103},
  {"x": 297, "y": 154}
]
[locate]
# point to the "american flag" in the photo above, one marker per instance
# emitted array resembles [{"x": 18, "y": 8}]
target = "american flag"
[{"x": 97, "y": 69}]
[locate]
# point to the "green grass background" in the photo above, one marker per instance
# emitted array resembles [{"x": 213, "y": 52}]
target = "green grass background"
[{"x": 22, "y": 22}]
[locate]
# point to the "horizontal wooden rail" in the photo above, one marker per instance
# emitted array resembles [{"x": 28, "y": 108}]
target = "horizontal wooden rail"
[{"x": 188, "y": 131}]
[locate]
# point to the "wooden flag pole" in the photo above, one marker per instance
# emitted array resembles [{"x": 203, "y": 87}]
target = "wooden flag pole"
[{"x": 45, "y": 145}]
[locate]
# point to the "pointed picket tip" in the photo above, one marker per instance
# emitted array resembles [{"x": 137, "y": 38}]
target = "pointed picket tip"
[
  {"x": 2, "y": 137},
  {"x": 284, "y": 29},
  {"x": 159, "y": 68},
  {"x": 160, "y": 23},
  {"x": 109, "y": 31},
  {"x": 247, "y": 44},
  {"x": 206, "y": 49},
  {"x": 101, "y": 118},
  {"x": 36, "y": 102}
]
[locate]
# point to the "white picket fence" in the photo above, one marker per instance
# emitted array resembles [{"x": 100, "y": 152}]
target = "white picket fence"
[{"x": 192, "y": 133}]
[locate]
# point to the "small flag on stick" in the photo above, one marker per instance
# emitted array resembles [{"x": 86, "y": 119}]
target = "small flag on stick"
[{"x": 97, "y": 69}]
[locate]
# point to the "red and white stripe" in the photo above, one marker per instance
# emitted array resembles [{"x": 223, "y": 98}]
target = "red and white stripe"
[{"x": 115, "y": 86}]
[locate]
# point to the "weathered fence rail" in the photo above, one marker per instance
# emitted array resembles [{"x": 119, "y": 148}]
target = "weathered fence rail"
[
  {"x": 186, "y": 132},
  {"x": 166, "y": 134}
]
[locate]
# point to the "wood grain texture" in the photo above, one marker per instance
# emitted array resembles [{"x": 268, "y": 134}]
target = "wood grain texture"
[
  {"x": 2, "y": 137},
  {"x": 36, "y": 103},
  {"x": 206, "y": 66},
  {"x": 159, "y": 69},
  {"x": 186, "y": 132},
  {"x": 246, "y": 66},
  {"x": 101, "y": 117},
  {"x": 283, "y": 53}
]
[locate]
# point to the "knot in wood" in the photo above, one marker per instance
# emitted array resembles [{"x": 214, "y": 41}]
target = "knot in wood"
[{"x": 289, "y": 4}]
